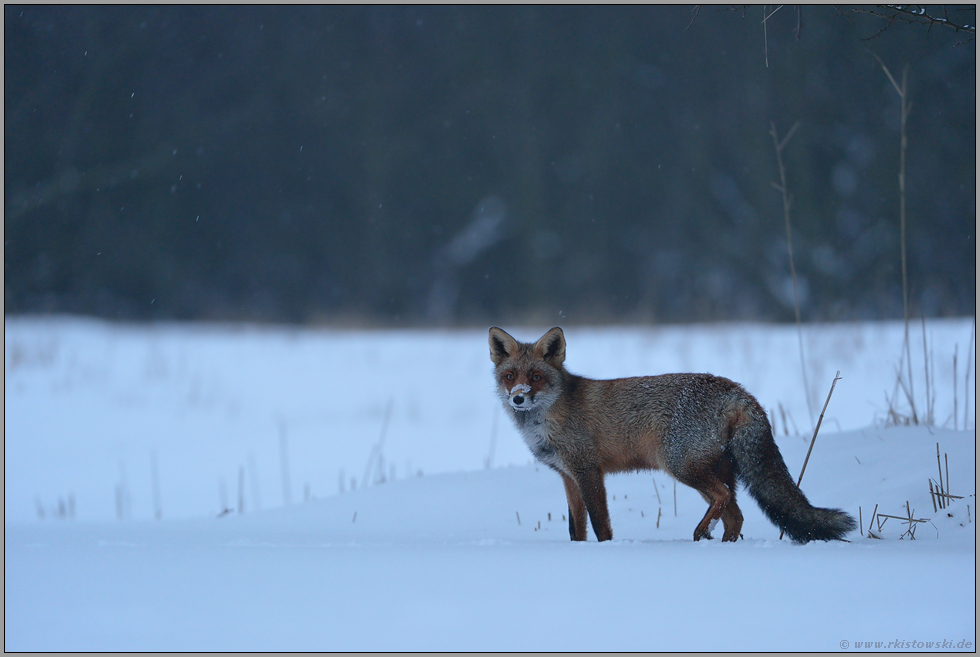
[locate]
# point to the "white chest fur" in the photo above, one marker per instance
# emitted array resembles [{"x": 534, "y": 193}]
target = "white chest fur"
[{"x": 537, "y": 435}]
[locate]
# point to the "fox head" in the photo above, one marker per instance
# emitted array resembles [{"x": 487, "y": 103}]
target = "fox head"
[{"x": 529, "y": 376}]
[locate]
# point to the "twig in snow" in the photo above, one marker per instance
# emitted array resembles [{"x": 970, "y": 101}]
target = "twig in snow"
[
  {"x": 874, "y": 513},
  {"x": 815, "y": 431}
]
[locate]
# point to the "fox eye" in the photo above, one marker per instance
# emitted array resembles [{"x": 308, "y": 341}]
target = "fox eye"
[
  {"x": 536, "y": 378},
  {"x": 509, "y": 376}
]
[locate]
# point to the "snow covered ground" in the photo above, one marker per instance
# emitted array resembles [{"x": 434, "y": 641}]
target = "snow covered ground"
[{"x": 371, "y": 521}]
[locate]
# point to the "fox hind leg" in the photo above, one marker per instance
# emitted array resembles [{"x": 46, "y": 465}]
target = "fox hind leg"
[
  {"x": 731, "y": 516},
  {"x": 719, "y": 498},
  {"x": 717, "y": 495}
]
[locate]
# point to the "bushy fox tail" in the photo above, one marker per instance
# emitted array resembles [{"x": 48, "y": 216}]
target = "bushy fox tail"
[{"x": 760, "y": 466}]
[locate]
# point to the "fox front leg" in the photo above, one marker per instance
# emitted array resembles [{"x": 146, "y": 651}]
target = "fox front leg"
[
  {"x": 576, "y": 509},
  {"x": 592, "y": 490}
]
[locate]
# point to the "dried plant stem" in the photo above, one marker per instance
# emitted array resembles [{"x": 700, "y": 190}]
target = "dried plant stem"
[
  {"x": 966, "y": 384},
  {"x": 813, "y": 440},
  {"x": 787, "y": 204},
  {"x": 375, "y": 463},
  {"x": 955, "y": 382},
  {"x": 939, "y": 482},
  {"x": 902, "y": 91},
  {"x": 925, "y": 356},
  {"x": 901, "y": 213},
  {"x": 905, "y": 518},
  {"x": 948, "y": 489},
  {"x": 815, "y": 431}
]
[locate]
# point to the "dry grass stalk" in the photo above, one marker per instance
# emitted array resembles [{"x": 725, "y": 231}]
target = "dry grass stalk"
[
  {"x": 955, "y": 381},
  {"x": 871, "y": 521},
  {"x": 833, "y": 384},
  {"x": 940, "y": 494},
  {"x": 787, "y": 419},
  {"x": 946, "y": 457},
  {"x": 939, "y": 464},
  {"x": 930, "y": 398},
  {"x": 787, "y": 204},
  {"x": 906, "y": 107},
  {"x": 908, "y": 518},
  {"x": 966, "y": 384},
  {"x": 941, "y": 498},
  {"x": 815, "y": 431}
]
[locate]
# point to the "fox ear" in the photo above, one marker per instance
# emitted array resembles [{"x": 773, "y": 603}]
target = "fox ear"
[
  {"x": 551, "y": 346},
  {"x": 502, "y": 346}
]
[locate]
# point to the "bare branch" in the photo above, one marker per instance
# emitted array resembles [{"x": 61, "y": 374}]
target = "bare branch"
[
  {"x": 696, "y": 11},
  {"x": 913, "y": 15}
]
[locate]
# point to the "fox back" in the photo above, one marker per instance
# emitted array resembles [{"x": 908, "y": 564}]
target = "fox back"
[{"x": 705, "y": 431}]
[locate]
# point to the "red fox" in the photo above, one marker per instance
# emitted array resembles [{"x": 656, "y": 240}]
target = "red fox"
[{"x": 705, "y": 431}]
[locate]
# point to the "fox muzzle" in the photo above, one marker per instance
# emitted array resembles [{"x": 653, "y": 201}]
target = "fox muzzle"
[{"x": 519, "y": 399}]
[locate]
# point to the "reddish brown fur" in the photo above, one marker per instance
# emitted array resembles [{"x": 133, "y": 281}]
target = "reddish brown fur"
[{"x": 585, "y": 429}]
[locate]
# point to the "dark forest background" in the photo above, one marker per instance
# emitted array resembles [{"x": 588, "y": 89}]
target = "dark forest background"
[{"x": 474, "y": 165}]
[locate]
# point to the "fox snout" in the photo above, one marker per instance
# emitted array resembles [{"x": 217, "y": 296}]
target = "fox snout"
[{"x": 520, "y": 397}]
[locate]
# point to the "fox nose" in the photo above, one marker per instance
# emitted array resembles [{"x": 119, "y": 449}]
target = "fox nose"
[{"x": 518, "y": 400}]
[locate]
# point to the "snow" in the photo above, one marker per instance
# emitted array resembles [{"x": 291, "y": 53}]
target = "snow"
[{"x": 457, "y": 557}]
